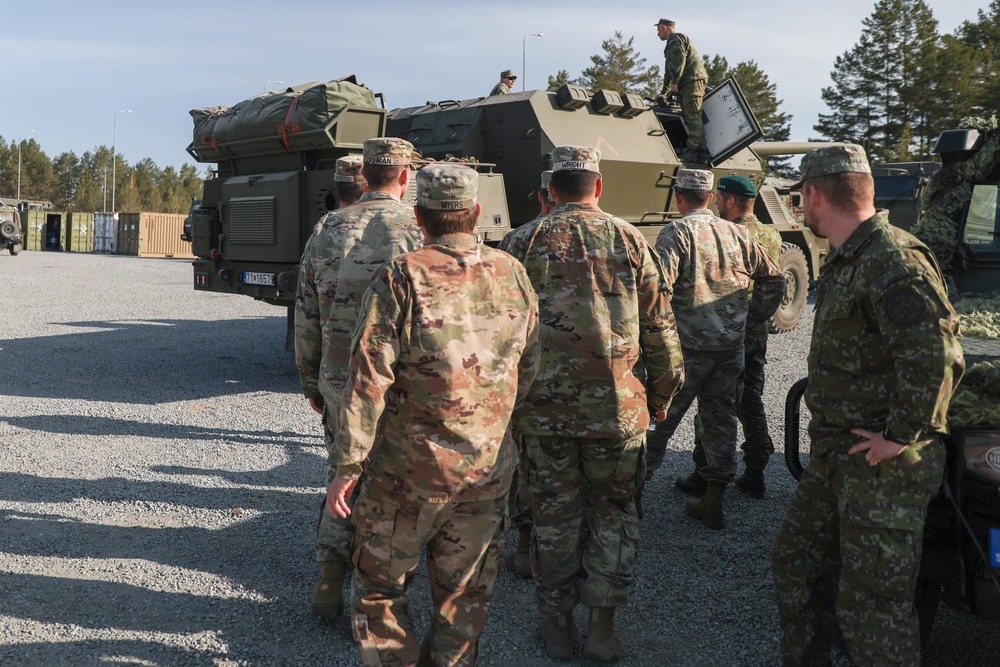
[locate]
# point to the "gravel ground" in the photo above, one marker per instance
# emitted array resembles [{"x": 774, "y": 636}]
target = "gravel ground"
[{"x": 160, "y": 475}]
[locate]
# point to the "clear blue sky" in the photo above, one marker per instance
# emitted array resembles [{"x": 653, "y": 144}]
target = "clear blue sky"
[{"x": 69, "y": 65}]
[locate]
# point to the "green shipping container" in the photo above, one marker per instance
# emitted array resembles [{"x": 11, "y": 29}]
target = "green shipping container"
[
  {"x": 45, "y": 230},
  {"x": 80, "y": 232}
]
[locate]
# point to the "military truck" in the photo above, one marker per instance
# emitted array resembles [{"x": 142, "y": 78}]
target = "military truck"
[
  {"x": 11, "y": 235},
  {"x": 960, "y": 221},
  {"x": 275, "y": 154},
  {"x": 899, "y": 186}
]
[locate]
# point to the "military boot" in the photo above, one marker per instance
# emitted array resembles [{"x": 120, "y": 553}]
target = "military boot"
[
  {"x": 704, "y": 156},
  {"x": 693, "y": 485},
  {"x": 328, "y": 596},
  {"x": 751, "y": 482},
  {"x": 557, "y": 631},
  {"x": 708, "y": 508},
  {"x": 522, "y": 557},
  {"x": 688, "y": 155},
  {"x": 602, "y": 642}
]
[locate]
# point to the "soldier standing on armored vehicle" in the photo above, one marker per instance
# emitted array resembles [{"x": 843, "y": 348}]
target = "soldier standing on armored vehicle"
[
  {"x": 710, "y": 263},
  {"x": 337, "y": 265},
  {"x": 507, "y": 79},
  {"x": 604, "y": 308},
  {"x": 883, "y": 364},
  {"x": 684, "y": 74}
]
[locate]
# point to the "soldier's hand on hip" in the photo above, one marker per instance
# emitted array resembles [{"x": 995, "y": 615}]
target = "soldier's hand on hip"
[
  {"x": 337, "y": 494},
  {"x": 875, "y": 445}
]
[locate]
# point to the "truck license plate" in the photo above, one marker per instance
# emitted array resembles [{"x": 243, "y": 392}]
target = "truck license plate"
[
  {"x": 251, "y": 278},
  {"x": 995, "y": 547}
]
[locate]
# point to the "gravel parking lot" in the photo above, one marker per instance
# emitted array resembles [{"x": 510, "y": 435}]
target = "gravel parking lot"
[{"x": 160, "y": 477}]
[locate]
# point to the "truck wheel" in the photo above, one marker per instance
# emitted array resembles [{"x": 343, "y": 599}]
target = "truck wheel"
[
  {"x": 793, "y": 266},
  {"x": 927, "y": 600},
  {"x": 16, "y": 248}
]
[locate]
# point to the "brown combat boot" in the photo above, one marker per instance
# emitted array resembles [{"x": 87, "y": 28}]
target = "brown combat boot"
[
  {"x": 708, "y": 508},
  {"x": 557, "y": 631},
  {"x": 521, "y": 561},
  {"x": 328, "y": 596},
  {"x": 602, "y": 642}
]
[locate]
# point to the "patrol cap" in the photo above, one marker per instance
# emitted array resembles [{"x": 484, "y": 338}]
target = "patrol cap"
[
  {"x": 846, "y": 159},
  {"x": 586, "y": 158},
  {"x": 388, "y": 151},
  {"x": 694, "y": 179},
  {"x": 546, "y": 179},
  {"x": 734, "y": 184},
  {"x": 348, "y": 169},
  {"x": 508, "y": 74},
  {"x": 447, "y": 186},
  {"x": 666, "y": 22}
]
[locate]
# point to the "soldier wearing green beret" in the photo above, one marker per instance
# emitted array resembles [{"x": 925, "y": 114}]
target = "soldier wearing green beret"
[
  {"x": 883, "y": 364},
  {"x": 684, "y": 74},
  {"x": 445, "y": 347},
  {"x": 336, "y": 267}
]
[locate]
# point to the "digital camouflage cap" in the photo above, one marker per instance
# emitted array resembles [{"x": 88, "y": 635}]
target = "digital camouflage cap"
[
  {"x": 447, "y": 187},
  {"x": 694, "y": 179},
  {"x": 546, "y": 179},
  {"x": 508, "y": 74},
  {"x": 734, "y": 184},
  {"x": 586, "y": 158},
  {"x": 348, "y": 169},
  {"x": 666, "y": 22},
  {"x": 846, "y": 159},
  {"x": 388, "y": 151}
]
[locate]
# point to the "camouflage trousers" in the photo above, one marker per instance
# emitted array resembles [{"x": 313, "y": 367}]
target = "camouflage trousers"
[
  {"x": 692, "y": 95},
  {"x": 586, "y": 526},
  {"x": 713, "y": 378},
  {"x": 333, "y": 534},
  {"x": 867, "y": 524},
  {"x": 519, "y": 498},
  {"x": 464, "y": 544}
]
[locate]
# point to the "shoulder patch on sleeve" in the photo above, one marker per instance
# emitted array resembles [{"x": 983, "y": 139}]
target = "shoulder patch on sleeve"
[
  {"x": 905, "y": 307},
  {"x": 893, "y": 275}
]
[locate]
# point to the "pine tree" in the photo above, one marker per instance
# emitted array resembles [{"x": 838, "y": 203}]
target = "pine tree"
[
  {"x": 618, "y": 67},
  {"x": 982, "y": 37}
]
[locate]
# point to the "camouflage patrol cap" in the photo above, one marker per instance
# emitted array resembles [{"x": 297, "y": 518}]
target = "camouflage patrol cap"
[
  {"x": 349, "y": 169},
  {"x": 546, "y": 179},
  {"x": 447, "y": 186},
  {"x": 694, "y": 179},
  {"x": 846, "y": 159},
  {"x": 666, "y": 22},
  {"x": 586, "y": 158},
  {"x": 508, "y": 74},
  {"x": 734, "y": 184},
  {"x": 388, "y": 151}
]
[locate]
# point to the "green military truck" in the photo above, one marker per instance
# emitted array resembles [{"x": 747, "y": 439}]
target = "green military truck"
[{"x": 11, "y": 234}]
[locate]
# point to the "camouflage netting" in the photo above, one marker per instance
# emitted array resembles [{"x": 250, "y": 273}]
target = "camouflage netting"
[
  {"x": 977, "y": 402},
  {"x": 980, "y": 315},
  {"x": 950, "y": 190}
]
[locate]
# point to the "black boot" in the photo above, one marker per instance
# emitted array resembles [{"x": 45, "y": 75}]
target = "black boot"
[
  {"x": 693, "y": 485},
  {"x": 751, "y": 482}
]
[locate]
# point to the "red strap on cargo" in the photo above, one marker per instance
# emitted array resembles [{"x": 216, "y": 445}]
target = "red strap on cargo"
[{"x": 284, "y": 126}]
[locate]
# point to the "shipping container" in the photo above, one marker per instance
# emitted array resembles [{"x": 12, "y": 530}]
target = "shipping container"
[
  {"x": 106, "y": 233},
  {"x": 44, "y": 230},
  {"x": 80, "y": 232},
  {"x": 152, "y": 235}
]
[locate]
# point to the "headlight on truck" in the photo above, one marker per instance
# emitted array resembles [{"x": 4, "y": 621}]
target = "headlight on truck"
[{"x": 981, "y": 455}]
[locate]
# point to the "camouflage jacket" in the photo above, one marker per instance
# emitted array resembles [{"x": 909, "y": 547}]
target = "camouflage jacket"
[
  {"x": 500, "y": 89},
  {"x": 884, "y": 352},
  {"x": 770, "y": 241},
  {"x": 604, "y": 309},
  {"x": 446, "y": 345},
  {"x": 710, "y": 263},
  {"x": 682, "y": 64},
  {"x": 337, "y": 265}
]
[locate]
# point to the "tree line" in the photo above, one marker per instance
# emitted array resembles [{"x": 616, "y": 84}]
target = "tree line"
[
  {"x": 83, "y": 183},
  {"x": 893, "y": 92}
]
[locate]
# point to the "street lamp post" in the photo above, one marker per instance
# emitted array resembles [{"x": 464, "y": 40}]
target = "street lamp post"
[
  {"x": 19, "y": 142},
  {"x": 270, "y": 82},
  {"x": 114, "y": 165},
  {"x": 524, "y": 46}
]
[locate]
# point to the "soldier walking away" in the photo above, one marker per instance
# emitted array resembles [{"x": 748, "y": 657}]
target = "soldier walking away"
[
  {"x": 348, "y": 181},
  {"x": 684, "y": 74},
  {"x": 337, "y": 265},
  {"x": 883, "y": 363},
  {"x": 520, "y": 495},
  {"x": 736, "y": 197},
  {"x": 604, "y": 307},
  {"x": 710, "y": 262},
  {"x": 507, "y": 79},
  {"x": 446, "y": 345}
]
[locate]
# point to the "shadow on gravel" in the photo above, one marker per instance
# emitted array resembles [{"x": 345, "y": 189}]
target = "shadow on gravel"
[
  {"x": 151, "y": 361},
  {"x": 94, "y": 652}
]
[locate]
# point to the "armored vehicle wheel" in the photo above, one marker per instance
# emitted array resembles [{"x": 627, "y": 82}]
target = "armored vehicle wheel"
[
  {"x": 16, "y": 248},
  {"x": 796, "y": 271}
]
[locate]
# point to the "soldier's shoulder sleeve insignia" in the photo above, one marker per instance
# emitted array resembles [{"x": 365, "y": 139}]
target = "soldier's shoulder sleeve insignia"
[
  {"x": 905, "y": 306},
  {"x": 898, "y": 271}
]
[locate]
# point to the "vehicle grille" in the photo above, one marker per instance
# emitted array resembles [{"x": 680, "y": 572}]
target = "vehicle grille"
[{"x": 251, "y": 220}]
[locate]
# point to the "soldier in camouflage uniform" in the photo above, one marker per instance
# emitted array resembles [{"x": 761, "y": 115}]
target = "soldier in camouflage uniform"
[
  {"x": 445, "y": 346},
  {"x": 684, "y": 74},
  {"x": 736, "y": 196},
  {"x": 520, "y": 494},
  {"x": 883, "y": 363},
  {"x": 605, "y": 309},
  {"x": 348, "y": 181},
  {"x": 336, "y": 267},
  {"x": 710, "y": 262},
  {"x": 507, "y": 79}
]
